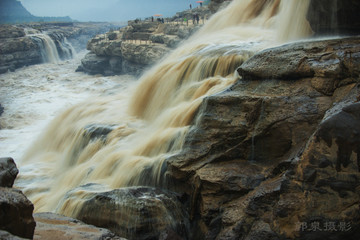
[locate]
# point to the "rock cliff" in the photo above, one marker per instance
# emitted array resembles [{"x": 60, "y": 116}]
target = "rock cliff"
[
  {"x": 137, "y": 46},
  {"x": 277, "y": 154}
]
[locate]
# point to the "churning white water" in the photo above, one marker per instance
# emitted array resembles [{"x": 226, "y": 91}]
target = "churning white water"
[
  {"x": 34, "y": 95},
  {"x": 152, "y": 121}
]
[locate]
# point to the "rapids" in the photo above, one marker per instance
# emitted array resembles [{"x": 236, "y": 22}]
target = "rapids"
[{"x": 150, "y": 121}]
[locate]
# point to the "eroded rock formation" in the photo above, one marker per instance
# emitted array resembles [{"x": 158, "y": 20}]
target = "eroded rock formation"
[
  {"x": 277, "y": 153},
  {"x": 16, "y": 213}
]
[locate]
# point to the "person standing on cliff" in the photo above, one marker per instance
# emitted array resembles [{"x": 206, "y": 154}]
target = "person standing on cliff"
[{"x": 190, "y": 6}]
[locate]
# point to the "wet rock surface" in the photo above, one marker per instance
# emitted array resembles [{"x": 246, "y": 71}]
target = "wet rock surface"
[
  {"x": 54, "y": 226},
  {"x": 276, "y": 155},
  {"x": 134, "y": 212},
  {"x": 16, "y": 213},
  {"x": 8, "y": 172}
]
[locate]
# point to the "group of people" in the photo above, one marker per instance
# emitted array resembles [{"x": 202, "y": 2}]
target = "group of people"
[
  {"x": 158, "y": 19},
  {"x": 191, "y": 5}
]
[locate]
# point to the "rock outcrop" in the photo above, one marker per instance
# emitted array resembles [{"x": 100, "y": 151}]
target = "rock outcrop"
[
  {"x": 16, "y": 213},
  {"x": 276, "y": 155},
  {"x": 54, "y": 226},
  {"x": 17, "y": 50},
  {"x": 137, "y": 46},
  {"x": 15, "y": 209},
  {"x": 134, "y": 212},
  {"x": 8, "y": 172}
]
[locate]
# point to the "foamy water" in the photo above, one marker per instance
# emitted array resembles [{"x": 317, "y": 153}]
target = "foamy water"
[
  {"x": 151, "y": 121},
  {"x": 34, "y": 95}
]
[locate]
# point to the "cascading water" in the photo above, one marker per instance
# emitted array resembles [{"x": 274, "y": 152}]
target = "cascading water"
[
  {"x": 151, "y": 123},
  {"x": 49, "y": 49}
]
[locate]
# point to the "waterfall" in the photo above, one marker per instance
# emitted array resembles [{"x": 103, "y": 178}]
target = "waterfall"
[
  {"x": 112, "y": 140},
  {"x": 51, "y": 51}
]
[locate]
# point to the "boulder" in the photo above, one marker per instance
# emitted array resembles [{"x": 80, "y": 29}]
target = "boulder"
[
  {"x": 55, "y": 226},
  {"x": 94, "y": 64},
  {"x": 133, "y": 212},
  {"x": 16, "y": 213},
  {"x": 8, "y": 172},
  {"x": 329, "y": 60}
]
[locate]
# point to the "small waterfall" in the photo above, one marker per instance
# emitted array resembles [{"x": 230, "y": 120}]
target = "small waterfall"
[
  {"x": 64, "y": 47},
  {"x": 151, "y": 122},
  {"x": 48, "y": 48},
  {"x": 52, "y": 51},
  {"x": 68, "y": 48}
]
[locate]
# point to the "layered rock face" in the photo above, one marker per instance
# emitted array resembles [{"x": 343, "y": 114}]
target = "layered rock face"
[
  {"x": 17, "y": 50},
  {"x": 134, "y": 48},
  {"x": 277, "y": 154},
  {"x": 15, "y": 209},
  {"x": 334, "y": 17}
]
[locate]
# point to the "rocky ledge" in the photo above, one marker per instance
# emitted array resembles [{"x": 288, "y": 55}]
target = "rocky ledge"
[{"x": 137, "y": 46}]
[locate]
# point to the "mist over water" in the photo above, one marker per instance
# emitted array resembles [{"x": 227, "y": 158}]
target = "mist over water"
[{"x": 149, "y": 122}]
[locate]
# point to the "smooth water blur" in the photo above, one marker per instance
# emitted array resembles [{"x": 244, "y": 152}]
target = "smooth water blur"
[
  {"x": 150, "y": 121},
  {"x": 34, "y": 95}
]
